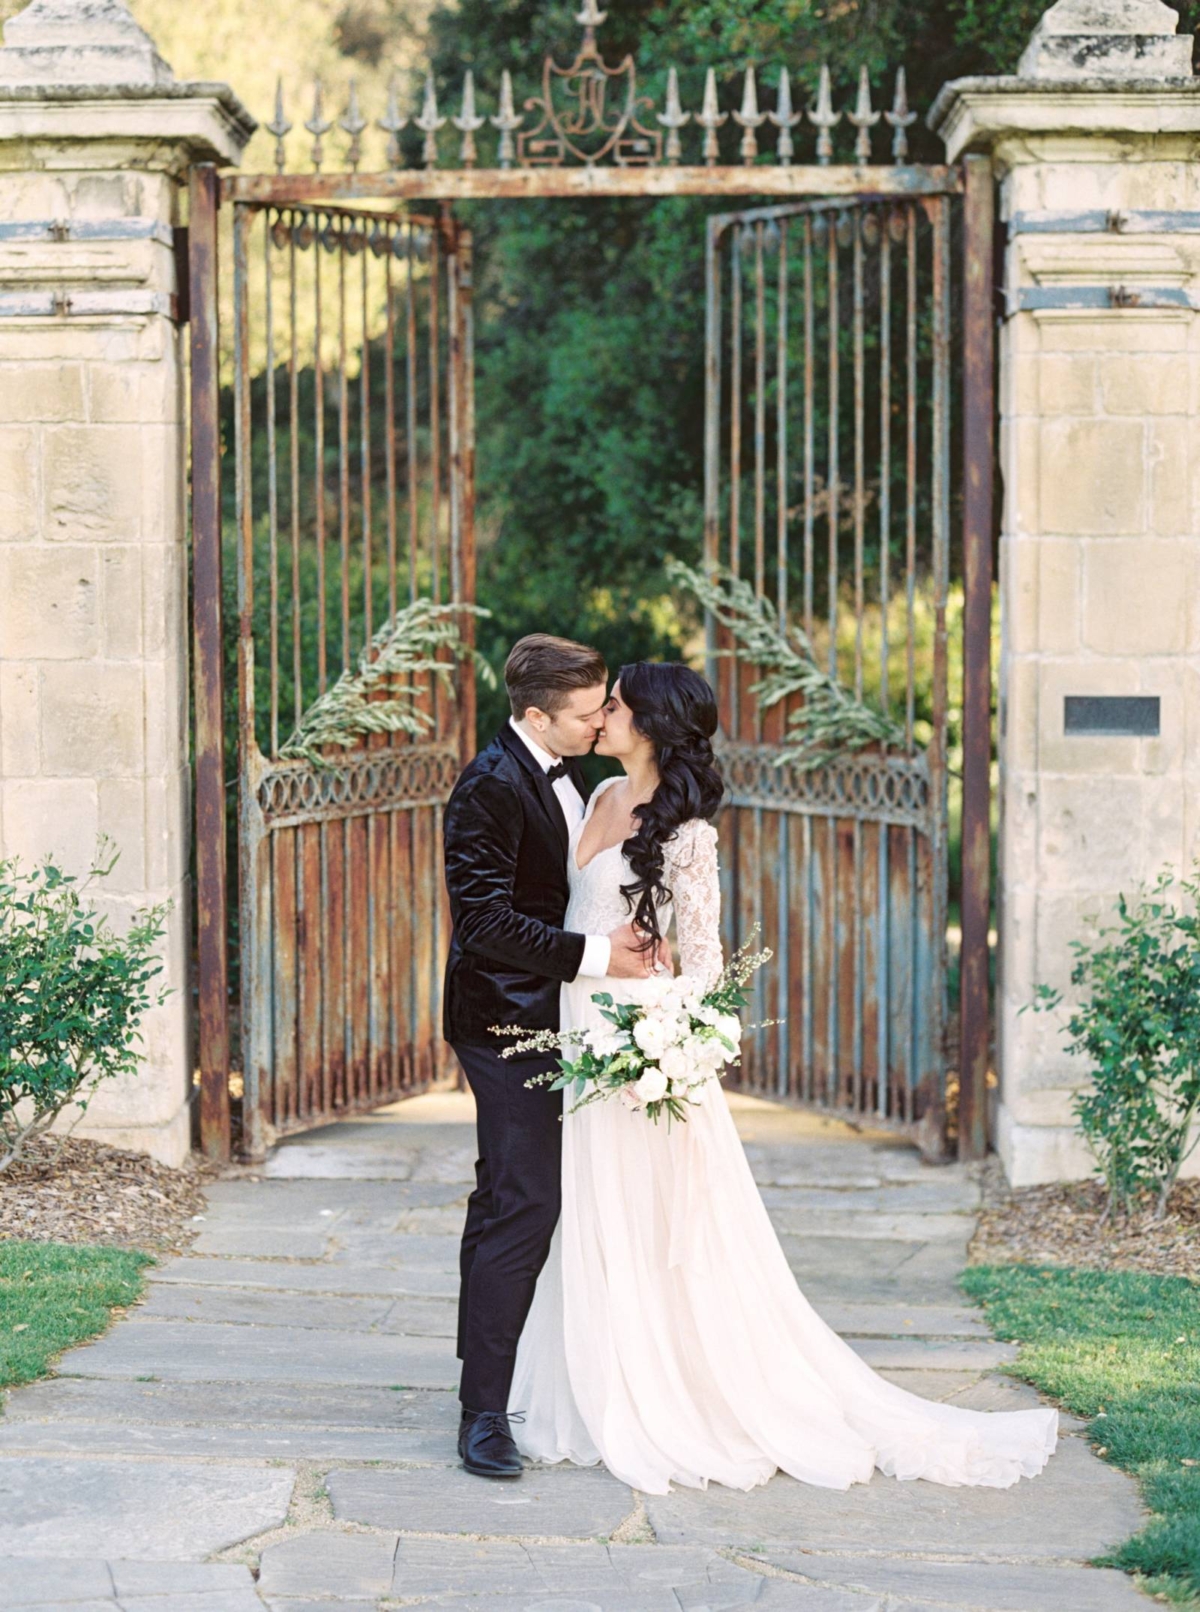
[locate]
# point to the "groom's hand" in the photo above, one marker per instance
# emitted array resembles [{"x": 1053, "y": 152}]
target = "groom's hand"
[{"x": 631, "y": 958}]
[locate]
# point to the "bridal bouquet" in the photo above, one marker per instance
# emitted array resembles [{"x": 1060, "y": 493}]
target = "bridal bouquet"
[{"x": 656, "y": 1055}]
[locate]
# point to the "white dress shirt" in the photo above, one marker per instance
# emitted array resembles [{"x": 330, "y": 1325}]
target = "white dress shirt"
[{"x": 597, "y": 950}]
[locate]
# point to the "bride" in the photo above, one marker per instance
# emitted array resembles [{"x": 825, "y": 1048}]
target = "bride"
[{"x": 667, "y": 1337}]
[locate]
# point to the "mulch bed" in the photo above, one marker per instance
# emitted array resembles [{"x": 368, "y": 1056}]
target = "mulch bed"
[
  {"x": 1061, "y": 1225},
  {"x": 70, "y": 1190}
]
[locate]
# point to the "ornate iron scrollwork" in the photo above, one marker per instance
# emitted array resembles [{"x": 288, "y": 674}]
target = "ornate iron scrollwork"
[
  {"x": 588, "y": 128},
  {"x": 366, "y": 781},
  {"x": 877, "y": 788}
]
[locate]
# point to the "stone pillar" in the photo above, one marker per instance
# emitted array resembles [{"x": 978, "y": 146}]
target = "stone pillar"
[
  {"x": 1099, "y": 375},
  {"x": 95, "y": 140}
]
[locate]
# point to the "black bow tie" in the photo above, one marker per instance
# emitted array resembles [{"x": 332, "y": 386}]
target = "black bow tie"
[{"x": 559, "y": 770}]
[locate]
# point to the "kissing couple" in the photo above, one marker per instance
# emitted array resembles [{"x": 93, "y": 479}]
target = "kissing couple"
[{"x": 624, "y": 1298}]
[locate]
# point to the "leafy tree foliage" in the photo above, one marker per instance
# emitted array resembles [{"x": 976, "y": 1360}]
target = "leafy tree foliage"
[{"x": 590, "y": 321}]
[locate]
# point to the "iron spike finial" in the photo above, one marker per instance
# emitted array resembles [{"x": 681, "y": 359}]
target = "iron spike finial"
[
  {"x": 391, "y": 123},
  {"x": 318, "y": 126},
  {"x": 674, "y": 118},
  {"x": 899, "y": 118},
  {"x": 749, "y": 119},
  {"x": 467, "y": 123},
  {"x": 784, "y": 119},
  {"x": 429, "y": 123},
  {"x": 506, "y": 120},
  {"x": 280, "y": 128},
  {"x": 710, "y": 119},
  {"x": 863, "y": 119},
  {"x": 824, "y": 119},
  {"x": 353, "y": 123}
]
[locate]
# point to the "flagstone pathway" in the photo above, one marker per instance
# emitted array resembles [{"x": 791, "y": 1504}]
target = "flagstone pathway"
[{"x": 274, "y": 1426}]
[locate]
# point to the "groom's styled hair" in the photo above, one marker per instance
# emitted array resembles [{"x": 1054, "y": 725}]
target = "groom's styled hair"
[{"x": 544, "y": 671}]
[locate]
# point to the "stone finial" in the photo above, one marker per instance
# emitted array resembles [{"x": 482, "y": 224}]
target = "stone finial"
[
  {"x": 1107, "y": 39},
  {"x": 79, "y": 42}
]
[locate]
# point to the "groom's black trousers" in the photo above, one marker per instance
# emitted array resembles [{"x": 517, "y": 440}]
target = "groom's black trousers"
[{"x": 511, "y": 1216}]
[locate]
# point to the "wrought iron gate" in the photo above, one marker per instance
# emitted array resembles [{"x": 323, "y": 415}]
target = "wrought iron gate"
[
  {"x": 828, "y": 488},
  {"x": 827, "y": 484},
  {"x": 352, "y": 395}
]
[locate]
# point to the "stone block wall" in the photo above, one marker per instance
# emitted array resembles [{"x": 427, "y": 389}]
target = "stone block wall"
[{"x": 93, "y": 459}]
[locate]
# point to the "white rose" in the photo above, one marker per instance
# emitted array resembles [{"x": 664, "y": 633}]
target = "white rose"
[
  {"x": 605, "y": 1041},
  {"x": 656, "y": 989},
  {"x": 674, "y": 1063},
  {"x": 730, "y": 1027},
  {"x": 705, "y": 1014},
  {"x": 650, "y": 1035},
  {"x": 652, "y": 1087},
  {"x": 712, "y": 1054}
]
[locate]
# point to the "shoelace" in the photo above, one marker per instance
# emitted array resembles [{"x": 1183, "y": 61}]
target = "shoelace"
[{"x": 496, "y": 1421}]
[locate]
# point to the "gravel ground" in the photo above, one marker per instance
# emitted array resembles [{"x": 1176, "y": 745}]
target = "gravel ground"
[
  {"x": 76, "y": 1191},
  {"x": 1060, "y": 1225}
]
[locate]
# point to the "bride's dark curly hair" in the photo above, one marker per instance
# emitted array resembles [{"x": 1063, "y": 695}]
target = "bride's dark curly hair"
[{"x": 676, "y": 710}]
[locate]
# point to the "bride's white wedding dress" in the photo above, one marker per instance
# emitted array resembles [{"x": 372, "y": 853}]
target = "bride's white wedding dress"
[{"x": 668, "y": 1337}]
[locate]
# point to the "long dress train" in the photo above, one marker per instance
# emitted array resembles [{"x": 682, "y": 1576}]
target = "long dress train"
[{"x": 668, "y": 1338}]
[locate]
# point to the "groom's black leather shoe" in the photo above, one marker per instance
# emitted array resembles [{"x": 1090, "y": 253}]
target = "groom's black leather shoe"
[{"x": 486, "y": 1445}]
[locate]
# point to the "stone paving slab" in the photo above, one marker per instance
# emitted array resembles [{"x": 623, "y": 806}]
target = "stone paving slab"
[
  {"x": 933, "y": 1354},
  {"x": 955, "y": 1229},
  {"x": 319, "y": 1444},
  {"x": 938, "y": 1194},
  {"x": 195, "y": 1351},
  {"x": 1076, "y": 1509},
  {"x": 181, "y": 1404},
  {"x": 281, "y": 1202},
  {"x": 356, "y": 1565},
  {"x": 904, "y": 1320},
  {"x": 547, "y": 1502},
  {"x": 1023, "y": 1587},
  {"x": 433, "y": 1250},
  {"x": 401, "y": 1253},
  {"x": 152, "y": 1511},
  {"x": 247, "y": 1238},
  {"x": 295, "y": 1276},
  {"x": 240, "y": 1307}
]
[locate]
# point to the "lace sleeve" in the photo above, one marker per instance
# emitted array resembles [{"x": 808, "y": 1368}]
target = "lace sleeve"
[{"x": 691, "y": 868}]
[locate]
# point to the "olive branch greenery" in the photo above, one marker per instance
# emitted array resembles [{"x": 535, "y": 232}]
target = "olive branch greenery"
[
  {"x": 407, "y": 645},
  {"x": 832, "y": 720}
]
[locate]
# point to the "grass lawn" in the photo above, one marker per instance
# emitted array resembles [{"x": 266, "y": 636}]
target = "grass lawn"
[
  {"x": 1124, "y": 1350},
  {"x": 53, "y": 1295}
]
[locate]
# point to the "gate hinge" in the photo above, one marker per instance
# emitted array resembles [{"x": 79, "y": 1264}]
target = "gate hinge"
[{"x": 183, "y": 299}]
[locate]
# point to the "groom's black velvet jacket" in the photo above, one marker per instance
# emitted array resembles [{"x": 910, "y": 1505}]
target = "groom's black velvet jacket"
[{"x": 506, "y": 871}]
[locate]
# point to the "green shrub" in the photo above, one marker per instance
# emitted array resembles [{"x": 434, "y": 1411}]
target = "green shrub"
[
  {"x": 72, "y": 995},
  {"x": 1138, "y": 1024}
]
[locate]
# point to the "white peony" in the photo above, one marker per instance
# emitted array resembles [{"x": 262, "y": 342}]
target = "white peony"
[
  {"x": 675, "y": 1064},
  {"x": 651, "y": 1035},
  {"x": 652, "y": 1087},
  {"x": 706, "y": 1013}
]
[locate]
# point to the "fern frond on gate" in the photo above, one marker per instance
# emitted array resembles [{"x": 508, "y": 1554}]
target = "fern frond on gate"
[
  {"x": 405, "y": 647},
  {"x": 832, "y": 720}
]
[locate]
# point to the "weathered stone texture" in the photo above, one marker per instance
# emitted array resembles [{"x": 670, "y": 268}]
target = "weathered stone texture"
[{"x": 93, "y": 632}]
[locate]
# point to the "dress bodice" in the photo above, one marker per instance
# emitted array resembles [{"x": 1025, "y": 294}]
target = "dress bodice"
[{"x": 597, "y": 906}]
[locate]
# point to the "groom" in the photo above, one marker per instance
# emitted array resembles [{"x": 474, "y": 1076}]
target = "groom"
[{"x": 506, "y": 830}]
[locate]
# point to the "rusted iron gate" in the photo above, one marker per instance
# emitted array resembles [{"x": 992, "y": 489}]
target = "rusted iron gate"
[
  {"x": 828, "y": 337},
  {"x": 348, "y": 1019}
]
